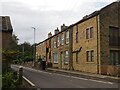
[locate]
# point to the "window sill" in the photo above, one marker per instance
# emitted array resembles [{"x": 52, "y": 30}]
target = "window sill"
[
  {"x": 67, "y": 43},
  {"x": 65, "y": 63},
  {"x": 114, "y": 47},
  {"x": 55, "y": 63},
  {"x": 77, "y": 62},
  {"x": 115, "y": 65},
  {"x": 92, "y": 62},
  {"x": 89, "y": 39}
]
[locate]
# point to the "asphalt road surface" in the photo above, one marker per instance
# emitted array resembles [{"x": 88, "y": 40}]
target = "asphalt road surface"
[{"x": 43, "y": 79}]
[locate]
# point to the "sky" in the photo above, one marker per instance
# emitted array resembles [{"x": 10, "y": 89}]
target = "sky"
[{"x": 46, "y": 15}]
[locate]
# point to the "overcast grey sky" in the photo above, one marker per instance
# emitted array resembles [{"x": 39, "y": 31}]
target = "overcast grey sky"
[{"x": 46, "y": 15}]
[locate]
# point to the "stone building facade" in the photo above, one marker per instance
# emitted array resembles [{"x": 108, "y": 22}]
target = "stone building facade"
[
  {"x": 60, "y": 45},
  {"x": 109, "y": 29},
  {"x": 96, "y": 41},
  {"x": 91, "y": 44},
  {"x": 5, "y": 31},
  {"x": 5, "y": 39},
  {"x": 85, "y": 42},
  {"x": 41, "y": 51}
]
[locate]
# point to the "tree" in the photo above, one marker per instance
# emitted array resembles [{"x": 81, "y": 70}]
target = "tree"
[
  {"x": 14, "y": 43},
  {"x": 27, "y": 50},
  {"x": 18, "y": 52},
  {"x": 10, "y": 53}
]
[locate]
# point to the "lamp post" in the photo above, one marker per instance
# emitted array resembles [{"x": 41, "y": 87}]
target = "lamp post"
[{"x": 34, "y": 55}]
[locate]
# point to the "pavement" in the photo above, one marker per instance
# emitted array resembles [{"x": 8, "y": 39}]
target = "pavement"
[{"x": 85, "y": 75}]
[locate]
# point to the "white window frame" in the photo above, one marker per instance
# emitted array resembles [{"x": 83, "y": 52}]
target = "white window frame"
[
  {"x": 55, "y": 56},
  {"x": 62, "y": 39},
  {"x": 67, "y": 37},
  {"x": 66, "y": 58},
  {"x": 58, "y": 41},
  {"x": 55, "y": 42}
]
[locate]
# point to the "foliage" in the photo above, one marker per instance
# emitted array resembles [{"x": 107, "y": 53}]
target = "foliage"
[
  {"x": 28, "y": 58},
  {"x": 12, "y": 52},
  {"x": 27, "y": 51},
  {"x": 14, "y": 43},
  {"x": 9, "y": 81},
  {"x": 10, "y": 55},
  {"x": 18, "y": 52}
]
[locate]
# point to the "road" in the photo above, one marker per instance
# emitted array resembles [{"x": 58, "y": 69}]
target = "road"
[{"x": 43, "y": 79}]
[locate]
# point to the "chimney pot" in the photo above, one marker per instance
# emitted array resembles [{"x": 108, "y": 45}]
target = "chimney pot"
[
  {"x": 56, "y": 31},
  {"x": 49, "y": 35},
  {"x": 63, "y": 27}
]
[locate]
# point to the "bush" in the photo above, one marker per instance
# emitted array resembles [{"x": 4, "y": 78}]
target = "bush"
[
  {"x": 28, "y": 58},
  {"x": 9, "y": 81}
]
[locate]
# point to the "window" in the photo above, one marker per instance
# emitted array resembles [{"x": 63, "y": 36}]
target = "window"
[
  {"x": 55, "y": 58},
  {"x": 90, "y": 56},
  {"x": 77, "y": 54},
  {"x": 54, "y": 42},
  {"x": 114, "y": 36},
  {"x": 62, "y": 39},
  {"x": 114, "y": 57},
  {"x": 76, "y": 37},
  {"x": 67, "y": 37},
  {"x": 66, "y": 57},
  {"x": 111, "y": 58},
  {"x": 58, "y": 41},
  {"x": 4, "y": 23},
  {"x": 89, "y": 33}
]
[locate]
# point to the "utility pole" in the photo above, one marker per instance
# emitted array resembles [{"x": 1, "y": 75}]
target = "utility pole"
[{"x": 34, "y": 49}]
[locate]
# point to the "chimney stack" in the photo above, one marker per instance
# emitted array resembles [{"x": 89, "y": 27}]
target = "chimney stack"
[
  {"x": 49, "y": 35},
  {"x": 56, "y": 31},
  {"x": 63, "y": 27}
]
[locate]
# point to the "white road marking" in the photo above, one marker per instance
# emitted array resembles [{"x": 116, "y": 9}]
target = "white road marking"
[
  {"x": 100, "y": 81},
  {"x": 29, "y": 81},
  {"x": 62, "y": 75},
  {"x": 36, "y": 70},
  {"x": 86, "y": 79}
]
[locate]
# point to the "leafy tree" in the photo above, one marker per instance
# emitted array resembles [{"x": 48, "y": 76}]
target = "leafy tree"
[
  {"x": 18, "y": 52},
  {"x": 9, "y": 81},
  {"x": 27, "y": 51},
  {"x": 14, "y": 43},
  {"x": 10, "y": 53}
]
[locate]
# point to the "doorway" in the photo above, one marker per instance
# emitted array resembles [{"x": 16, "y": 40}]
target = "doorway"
[{"x": 61, "y": 60}]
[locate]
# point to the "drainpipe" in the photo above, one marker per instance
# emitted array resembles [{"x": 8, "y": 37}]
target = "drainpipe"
[
  {"x": 97, "y": 47},
  {"x": 70, "y": 49}
]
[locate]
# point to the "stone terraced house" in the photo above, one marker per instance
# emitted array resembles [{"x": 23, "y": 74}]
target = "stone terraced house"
[{"x": 90, "y": 45}]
